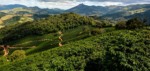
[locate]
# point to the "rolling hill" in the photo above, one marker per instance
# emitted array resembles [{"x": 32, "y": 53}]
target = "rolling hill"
[
  {"x": 35, "y": 35},
  {"x": 62, "y": 22},
  {"x": 86, "y": 44}
]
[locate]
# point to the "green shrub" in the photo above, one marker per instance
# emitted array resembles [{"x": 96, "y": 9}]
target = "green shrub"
[
  {"x": 86, "y": 29},
  {"x": 121, "y": 25},
  {"x": 17, "y": 55},
  {"x": 107, "y": 23},
  {"x": 148, "y": 28},
  {"x": 134, "y": 23},
  {"x": 97, "y": 31},
  {"x": 99, "y": 24},
  {"x": 3, "y": 60}
]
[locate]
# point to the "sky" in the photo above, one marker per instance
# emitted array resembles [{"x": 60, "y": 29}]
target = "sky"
[{"x": 66, "y": 4}]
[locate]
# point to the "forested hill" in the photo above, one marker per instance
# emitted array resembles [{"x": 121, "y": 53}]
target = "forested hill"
[
  {"x": 51, "y": 24},
  {"x": 144, "y": 15},
  {"x": 88, "y": 10}
]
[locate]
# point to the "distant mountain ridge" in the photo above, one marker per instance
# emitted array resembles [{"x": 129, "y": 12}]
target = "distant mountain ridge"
[
  {"x": 21, "y": 9},
  {"x": 115, "y": 13},
  {"x": 127, "y": 10},
  {"x": 111, "y": 12},
  {"x": 81, "y": 9},
  {"x": 100, "y": 10},
  {"x": 144, "y": 15},
  {"x": 7, "y": 7}
]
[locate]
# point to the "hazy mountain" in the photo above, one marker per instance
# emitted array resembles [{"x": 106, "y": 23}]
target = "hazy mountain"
[
  {"x": 49, "y": 11},
  {"x": 143, "y": 15},
  {"x": 112, "y": 12},
  {"x": 88, "y": 10},
  {"x": 125, "y": 11},
  {"x": 109, "y": 11},
  {"x": 21, "y": 9},
  {"x": 6, "y": 7}
]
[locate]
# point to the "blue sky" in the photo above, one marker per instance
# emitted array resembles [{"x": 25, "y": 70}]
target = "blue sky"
[{"x": 66, "y": 4}]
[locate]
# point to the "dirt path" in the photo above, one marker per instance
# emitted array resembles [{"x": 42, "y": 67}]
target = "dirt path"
[{"x": 60, "y": 38}]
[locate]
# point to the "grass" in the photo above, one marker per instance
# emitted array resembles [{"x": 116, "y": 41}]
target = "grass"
[
  {"x": 15, "y": 10},
  {"x": 1, "y": 22}
]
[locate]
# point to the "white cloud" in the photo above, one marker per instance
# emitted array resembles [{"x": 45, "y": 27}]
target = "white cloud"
[
  {"x": 62, "y": 5},
  {"x": 102, "y": 3}
]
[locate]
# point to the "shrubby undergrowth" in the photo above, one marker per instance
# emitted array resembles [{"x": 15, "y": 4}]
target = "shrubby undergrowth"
[{"x": 114, "y": 51}]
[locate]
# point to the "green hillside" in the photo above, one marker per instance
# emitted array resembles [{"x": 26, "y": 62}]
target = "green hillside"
[
  {"x": 119, "y": 50},
  {"x": 35, "y": 44},
  {"x": 42, "y": 33},
  {"x": 52, "y": 24},
  {"x": 71, "y": 42}
]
